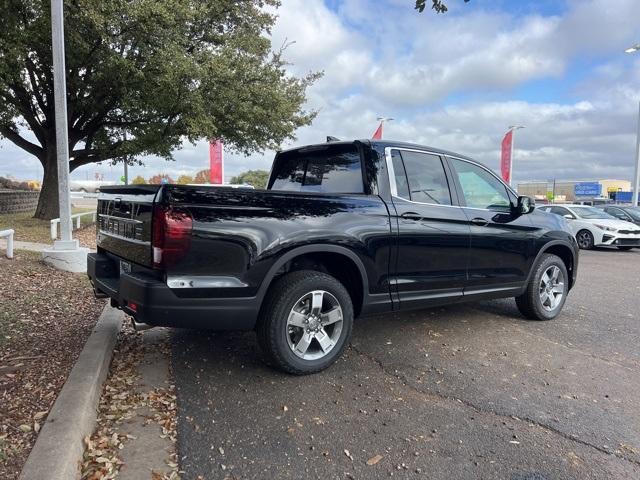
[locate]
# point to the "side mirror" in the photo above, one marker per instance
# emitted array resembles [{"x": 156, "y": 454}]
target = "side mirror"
[
  {"x": 568, "y": 216},
  {"x": 525, "y": 205}
]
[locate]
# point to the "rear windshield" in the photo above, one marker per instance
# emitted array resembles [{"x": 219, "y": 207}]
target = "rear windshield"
[{"x": 323, "y": 169}]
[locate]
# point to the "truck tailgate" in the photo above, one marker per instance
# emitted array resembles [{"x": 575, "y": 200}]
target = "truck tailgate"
[{"x": 124, "y": 221}]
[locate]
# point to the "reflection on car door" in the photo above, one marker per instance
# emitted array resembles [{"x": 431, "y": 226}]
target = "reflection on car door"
[
  {"x": 502, "y": 243},
  {"x": 433, "y": 234}
]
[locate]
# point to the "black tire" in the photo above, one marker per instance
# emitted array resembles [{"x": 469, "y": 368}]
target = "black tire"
[
  {"x": 625, "y": 248},
  {"x": 585, "y": 239},
  {"x": 530, "y": 303},
  {"x": 272, "y": 328}
]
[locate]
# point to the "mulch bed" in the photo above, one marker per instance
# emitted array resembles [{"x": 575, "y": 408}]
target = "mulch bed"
[{"x": 46, "y": 317}]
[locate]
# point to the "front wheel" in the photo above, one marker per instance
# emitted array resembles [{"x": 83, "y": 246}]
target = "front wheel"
[
  {"x": 585, "y": 239},
  {"x": 306, "y": 322},
  {"x": 546, "y": 290}
]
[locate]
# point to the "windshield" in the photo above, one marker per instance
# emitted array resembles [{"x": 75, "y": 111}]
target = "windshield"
[
  {"x": 590, "y": 213},
  {"x": 634, "y": 212}
]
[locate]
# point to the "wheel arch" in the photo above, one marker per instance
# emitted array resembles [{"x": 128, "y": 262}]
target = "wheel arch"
[
  {"x": 562, "y": 250},
  {"x": 340, "y": 262}
]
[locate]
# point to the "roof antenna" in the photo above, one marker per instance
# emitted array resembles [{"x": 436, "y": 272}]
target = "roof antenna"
[{"x": 332, "y": 139}]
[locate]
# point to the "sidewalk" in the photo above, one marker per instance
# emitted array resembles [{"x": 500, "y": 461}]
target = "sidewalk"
[
  {"x": 135, "y": 434},
  {"x": 18, "y": 245},
  {"x": 31, "y": 246}
]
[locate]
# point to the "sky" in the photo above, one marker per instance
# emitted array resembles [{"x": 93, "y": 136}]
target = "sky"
[{"x": 455, "y": 81}]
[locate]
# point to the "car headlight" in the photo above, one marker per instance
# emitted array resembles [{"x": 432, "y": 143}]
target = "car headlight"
[{"x": 606, "y": 229}]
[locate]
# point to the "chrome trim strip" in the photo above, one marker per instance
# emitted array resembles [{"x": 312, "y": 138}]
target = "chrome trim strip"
[
  {"x": 204, "y": 282},
  {"x": 490, "y": 290},
  {"x": 120, "y": 237},
  {"x": 124, "y": 219},
  {"x": 127, "y": 197}
]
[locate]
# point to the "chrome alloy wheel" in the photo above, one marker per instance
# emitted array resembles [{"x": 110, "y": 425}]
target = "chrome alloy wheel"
[
  {"x": 551, "y": 288},
  {"x": 314, "y": 325}
]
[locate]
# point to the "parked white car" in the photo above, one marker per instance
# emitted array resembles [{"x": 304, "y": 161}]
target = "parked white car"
[{"x": 593, "y": 227}]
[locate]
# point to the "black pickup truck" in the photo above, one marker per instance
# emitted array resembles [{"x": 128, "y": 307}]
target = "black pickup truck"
[{"x": 343, "y": 230}]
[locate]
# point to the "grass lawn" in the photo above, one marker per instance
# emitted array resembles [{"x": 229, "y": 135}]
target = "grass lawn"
[{"x": 29, "y": 229}]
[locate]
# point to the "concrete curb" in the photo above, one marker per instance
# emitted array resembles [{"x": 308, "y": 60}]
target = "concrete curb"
[{"x": 59, "y": 448}]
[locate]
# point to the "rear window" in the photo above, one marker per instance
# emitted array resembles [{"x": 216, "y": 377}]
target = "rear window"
[{"x": 323, "y": 169}]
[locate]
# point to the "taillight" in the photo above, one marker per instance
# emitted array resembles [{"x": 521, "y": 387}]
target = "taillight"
[{"x": 171, "y": 235}]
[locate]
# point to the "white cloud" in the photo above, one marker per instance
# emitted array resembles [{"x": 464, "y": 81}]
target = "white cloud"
[{"x": 452, "y": 81}]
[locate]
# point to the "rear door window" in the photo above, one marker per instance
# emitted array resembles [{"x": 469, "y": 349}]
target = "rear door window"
[
  {"x": 323, "y": 169},
  {"x": 420, "y": 177}
]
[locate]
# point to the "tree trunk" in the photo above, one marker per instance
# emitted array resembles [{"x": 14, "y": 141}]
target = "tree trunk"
[{"x": 48, "y": 205}]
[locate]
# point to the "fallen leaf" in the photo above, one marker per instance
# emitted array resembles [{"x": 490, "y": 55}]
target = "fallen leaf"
[{"x": 374, "y": 460}]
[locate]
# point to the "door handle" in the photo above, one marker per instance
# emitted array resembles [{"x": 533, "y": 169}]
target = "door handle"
[
  {"x": 481, "y": 222},
  {"x": 411, "y": 216}
]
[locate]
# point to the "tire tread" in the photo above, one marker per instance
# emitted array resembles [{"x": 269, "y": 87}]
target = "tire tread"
[
  {"x": 528, "y": 302},
  {"x": 275, "y": 302}
]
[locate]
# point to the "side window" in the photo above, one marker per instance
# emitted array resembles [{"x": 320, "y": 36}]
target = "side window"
[
  {"x": 561, "y": 211},
  {"x": 330, "y": 169},
  {"x": 402, "y": 184},
  {"x": 480, "y": 188},
  {"x": 424, "y": 178}
]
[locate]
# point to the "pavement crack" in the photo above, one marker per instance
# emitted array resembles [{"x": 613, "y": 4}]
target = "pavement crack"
[{"x": 482, "y": 410}]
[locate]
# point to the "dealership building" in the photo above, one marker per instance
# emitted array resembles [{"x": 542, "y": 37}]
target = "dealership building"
[{"x": 573, "y": 191}]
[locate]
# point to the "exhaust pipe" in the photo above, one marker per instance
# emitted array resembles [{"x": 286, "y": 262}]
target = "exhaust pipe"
[{"x": 140, "y": 327}]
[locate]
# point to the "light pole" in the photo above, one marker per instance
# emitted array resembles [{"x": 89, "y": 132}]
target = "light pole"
[
  {"x": 512, "y": 129},
  {"x": 636, "y": 171},
  {"x": 377, "y": 135},
  {"x": 62, "y": 143},
  {"x": 66, "y": 253}
]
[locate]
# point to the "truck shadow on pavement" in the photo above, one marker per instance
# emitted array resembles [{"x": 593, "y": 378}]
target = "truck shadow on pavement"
[{"x": 457, "y": 389}]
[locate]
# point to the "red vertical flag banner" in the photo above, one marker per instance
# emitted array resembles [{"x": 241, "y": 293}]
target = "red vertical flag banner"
[
  {"x": 216, "y": 167},
  {"x": 505, "y": 159},
  {"x": 377, "y": 135}
]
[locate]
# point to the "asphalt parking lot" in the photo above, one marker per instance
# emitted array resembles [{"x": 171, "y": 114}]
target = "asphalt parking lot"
[{"x": 468, "y": 391}]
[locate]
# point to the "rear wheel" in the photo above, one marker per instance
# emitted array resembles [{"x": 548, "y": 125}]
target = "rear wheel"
[
  {"x": 546, "y": 291},
  {"x": 585, "y": 239},
  {"x": 306, "y": 322}
]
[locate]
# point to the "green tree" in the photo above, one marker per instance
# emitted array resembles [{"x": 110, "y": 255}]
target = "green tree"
[
  {"x": 185, "y": 179},
  {"x": 202, "y": 176},
  {"x": 160, "y": 178},
  {"x": 139, "y": 180},
  {"x": 257, "y": 178},
  {"x": 143, "y": 76},
  {"x": 438, "y": 5}
]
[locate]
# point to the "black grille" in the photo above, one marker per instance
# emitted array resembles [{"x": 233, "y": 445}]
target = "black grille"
[
  {"x": 629, "y": 232},
  {"x": 631, "y": 242}
]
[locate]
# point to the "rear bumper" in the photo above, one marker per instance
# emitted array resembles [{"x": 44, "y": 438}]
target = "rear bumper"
[{"x": 148, "y": 300}]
